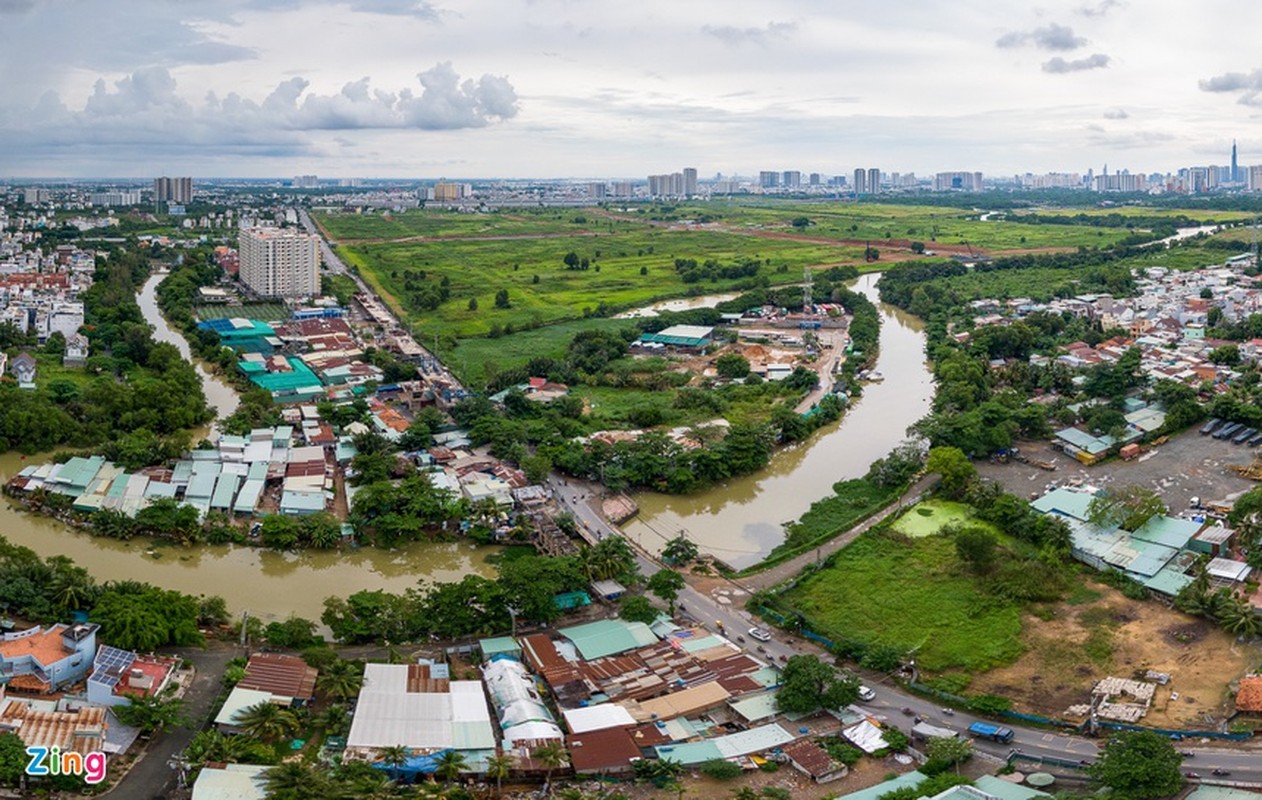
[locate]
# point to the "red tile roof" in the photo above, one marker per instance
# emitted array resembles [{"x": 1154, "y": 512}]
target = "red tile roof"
[
  {"x": 610, "y": 750},
  {"x": 282, "y": 675}
]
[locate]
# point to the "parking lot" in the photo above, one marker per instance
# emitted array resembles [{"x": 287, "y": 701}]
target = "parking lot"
[{"x": 1188, "y": 465}]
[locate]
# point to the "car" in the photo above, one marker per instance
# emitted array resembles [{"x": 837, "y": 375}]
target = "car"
[
  {"x": 759, "y": 634},
  {"x": 866, "y": 694}
]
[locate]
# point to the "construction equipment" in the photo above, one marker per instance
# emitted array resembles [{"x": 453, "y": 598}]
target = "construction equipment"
[{"x": 1251, "y": 471}]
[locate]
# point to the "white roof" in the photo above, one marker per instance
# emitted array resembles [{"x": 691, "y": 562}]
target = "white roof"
[
  {"x": 1228, "y": 569},
  {"x": 532, "y": 732},
  {"x": 598, "y": 717},
  {"x": 230, "y": 782},
  {"x": 238, "y": 700},
  {"x": 687, "y": 331},
  {"x": 866, "y": 736},
  {"x": 387, "y": 714}
]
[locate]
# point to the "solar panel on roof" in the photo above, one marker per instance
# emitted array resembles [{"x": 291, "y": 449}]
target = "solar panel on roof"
[{"x": 110, "y": 665}]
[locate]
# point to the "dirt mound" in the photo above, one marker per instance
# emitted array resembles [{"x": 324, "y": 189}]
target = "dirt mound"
[{"x": 754, "y": 352}]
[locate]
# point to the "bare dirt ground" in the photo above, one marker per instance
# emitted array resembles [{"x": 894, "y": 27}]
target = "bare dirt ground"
[
  {"x": 1071, "y": 646},
  {"x": 1188, "y": 465}
]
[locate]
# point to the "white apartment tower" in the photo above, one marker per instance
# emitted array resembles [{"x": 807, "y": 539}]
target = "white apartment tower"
[{"x": 280, "y": 262}]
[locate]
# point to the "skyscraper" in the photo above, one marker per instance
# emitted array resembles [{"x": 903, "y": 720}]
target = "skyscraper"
[
  {"x": 280, "y": 262},
  {"x": 690, "y": 181},
  {"x": 1235, "y": 167},
  {"x": 874, "y": 180},
  {"x": 768, "y": 180},
  {"x": 791, "y": 179},
  {"x": 860, "y": 181},
  {"x": 173, "y": 190}
]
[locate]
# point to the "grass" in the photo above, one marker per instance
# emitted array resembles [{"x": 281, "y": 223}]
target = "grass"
[
  {"x": 931, "y": 516},
  {"x": 478, "y": 269},
  {"x": 475, "y": 360},
  {"x": 266, "y": 312},
  {"x": 422, "y": 223},
  {"x": 851, "y": 502},
  {"x": 912, "y": 594}
]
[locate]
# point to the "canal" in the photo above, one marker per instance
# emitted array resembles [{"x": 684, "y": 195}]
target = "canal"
[{"x": 741, "y": 520}]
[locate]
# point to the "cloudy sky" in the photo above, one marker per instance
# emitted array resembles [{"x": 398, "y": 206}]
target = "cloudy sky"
[{"x": 572, "y": 88}]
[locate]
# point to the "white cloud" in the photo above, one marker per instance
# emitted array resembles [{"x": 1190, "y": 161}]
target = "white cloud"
[
  {"x": 730, "y": 34},
  {"x": 1116, "y": 113},
  {"x": 1048, "y": 37},
  {"x": 1059, "y": 65}
]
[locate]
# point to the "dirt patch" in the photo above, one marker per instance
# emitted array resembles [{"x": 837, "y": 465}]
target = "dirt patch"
[{"x": 1070, "y": 647}]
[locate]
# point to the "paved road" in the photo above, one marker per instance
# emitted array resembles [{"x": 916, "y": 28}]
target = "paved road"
[{"x": 151, "y": 777}]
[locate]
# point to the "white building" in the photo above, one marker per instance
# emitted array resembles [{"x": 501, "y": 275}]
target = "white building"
[{"x": 280, "y": 262}]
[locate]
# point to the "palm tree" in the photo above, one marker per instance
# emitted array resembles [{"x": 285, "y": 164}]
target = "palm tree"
[
  {"x": 553, "y": 756},
  {"x": 294, "y": 779},
  {"x": 1238, "y": 617},
  {"x": 333, "y": 720},
  {"x": 394, "y": 757},
  {"x": 267, "y": 721},
  {"x": 498, "y": 767},
  {"x": 450, "y": 764},
  {"x": 341, "y": 680}
]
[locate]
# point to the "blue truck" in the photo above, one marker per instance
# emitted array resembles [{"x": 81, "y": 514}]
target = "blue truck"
[{"x": 996, "y": 733}]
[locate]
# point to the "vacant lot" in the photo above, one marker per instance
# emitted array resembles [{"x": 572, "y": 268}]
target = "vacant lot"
[
  {"x": 1097, "y": 633},
  {"x": 913, "y": 594},
  {"x": 1188, "y": 465}
]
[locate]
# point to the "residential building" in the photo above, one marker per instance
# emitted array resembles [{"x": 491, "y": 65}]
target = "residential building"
[
  {"x": 81, "y": 730},
  {"x": 77, "y": 349},
  {"x": 667, "y": 185},
  {"x": 231, "y": 782},
  {"x": 596, "y": 190},
  {"x": 44, "y": 660},
  {"x": 957, "y": 181},
  {"x": 768, "y": 180},
  {"x": 791, "y": 179},
  {"x": 860, "y": 181},
  {"x": 623, "y": 189},
  {"x": 34, "y": 196},
  {"x": 173, "y": 190},
  {"x": 280, "y": 262},
  {"x": 23, "y": 369},
  {"x": 814, "y": 179},
  {"x": 1255, "y": 178},
  {"x": 448, "y": 192},
  {"x": 288, "y": 679},
  {"x": 874, "y": 180},
  {"x": 118, "y": 198},
  {"x": 119, "y": 675},
  {"x": 690, "y": 181},
  {"x": 306, "y": 182}
]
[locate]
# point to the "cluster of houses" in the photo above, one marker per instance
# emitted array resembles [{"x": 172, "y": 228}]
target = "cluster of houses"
[
  {"x": 1167, "y": 320},
  {"x": 58, "y": 688},
  {"x": 1160, "y": 554}
]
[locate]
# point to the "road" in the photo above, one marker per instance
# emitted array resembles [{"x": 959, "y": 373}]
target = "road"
[
  {"x": 152, "y": 776},
  {"x": 1244, "y": 762}
]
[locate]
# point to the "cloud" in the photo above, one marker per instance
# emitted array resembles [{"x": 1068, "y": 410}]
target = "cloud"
[
  {"x": 1058, "y": 65},
  {"x": 1116, "y": 113},
  {"x": 145, "y": 109},
  {"x": 732, "y": 35},
  {"x": 1048, "y": 37},
  {"x": 1100, "y": 9},
  {"x": 1248, "y": 84},
  {"x": 399, "y": 8}
]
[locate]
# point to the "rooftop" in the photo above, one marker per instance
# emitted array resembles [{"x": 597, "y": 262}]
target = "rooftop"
[
  {"x": 230, "y": 782},
  {"x": 599, "y": 751},
  {"x": 281, "y": 675}
]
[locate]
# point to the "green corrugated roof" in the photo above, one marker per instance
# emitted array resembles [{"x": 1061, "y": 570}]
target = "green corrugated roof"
[
  {"x": 872, "y": 792},
  {"x": 1007, "y": 790},
  {"x": 1066, "y": 501},
  {"x": 607, "y": 637},
  {"x": 690, "y": 752},
  {"x": 499, "y": 645},
  {"x": 1205, "y": 792},
  {"x": 1168, "y": 581},
  {"x": 1168, "y": 531}
]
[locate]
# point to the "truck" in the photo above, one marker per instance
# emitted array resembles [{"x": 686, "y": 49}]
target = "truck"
[
  {"x": 923, "y": 731},
  {"x": 996, "y": 733}
]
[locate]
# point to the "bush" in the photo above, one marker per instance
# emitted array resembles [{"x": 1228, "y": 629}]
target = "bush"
[
  {"x": 989, "y": 704},
  {"x": 721, "y": 769},
  {"x": 769, "y": 766}
]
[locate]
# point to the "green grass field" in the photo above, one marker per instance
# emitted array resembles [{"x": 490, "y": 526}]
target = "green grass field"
[
  {"x": 911, "y": 594},
  {"x": 479, "y": 269},
  {"x": 266, "y": 312},
  {"x": 475, "y": 360},
  {"x": 931, "y": 516},
  {"x": 352, "y": 227}
]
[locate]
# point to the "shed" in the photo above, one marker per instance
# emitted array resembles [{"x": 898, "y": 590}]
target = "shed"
[
  {"x": 499, "y": 646},
  {"x": 813, "y": 760},
  {"x": 606, "y": 752},
  {"x": 597, "y": 718},
  {"x": 608, "y": 590},
  {"x": 1229, "y": 570},
  {"x": 239, "y": 700},
  {"x": 608, "y": 637}
]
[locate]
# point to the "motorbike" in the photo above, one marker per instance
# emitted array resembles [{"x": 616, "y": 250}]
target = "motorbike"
[
  {"x": 740, "y": 639},
  {"x": 949, "y": 712},
  {"x": 1221, "y": 773},
  {"x": 1191, "y": 775},
  {"x": 908, "y": 711}
]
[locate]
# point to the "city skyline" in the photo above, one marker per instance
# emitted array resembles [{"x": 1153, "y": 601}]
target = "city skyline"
[{"x": 569, "y": 89}]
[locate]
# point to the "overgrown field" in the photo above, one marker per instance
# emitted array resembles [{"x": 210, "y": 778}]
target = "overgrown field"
[
  {"x": 915, "y": 595},
  {"x": 624, "y": 270}
]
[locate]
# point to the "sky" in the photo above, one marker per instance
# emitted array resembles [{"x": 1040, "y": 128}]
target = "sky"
[{"x": 608, "y": 88}]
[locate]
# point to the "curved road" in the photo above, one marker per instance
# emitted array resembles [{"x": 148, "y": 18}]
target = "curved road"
[{"x": 1243, "y": 761}]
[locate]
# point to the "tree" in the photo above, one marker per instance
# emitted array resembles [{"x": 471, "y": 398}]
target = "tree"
[
  {"x": 731, "y": 365},
  {"x": 801, "y": 222},
  {"x": 473, "y": 304},
  {"x": 553, "y": 756},
  {"x": 1128, "y": 507},
  {"x": 956, "y": 470},
  {"x": 808, "y": 684},
  {"x": 501, "y": 299},
  {"x": 266, "y": 721},
  {"x": 666, "y": 584},
  {"x": 977, "y": 547},
  {"x": 611, "y": 559},
  {"x": 721, "y": 769},
  {"x": 13, "y": 759},
  {"x": 1227, "y": 355},
  {"x": 1136, "y": 765},
  {"x": 341, "y": 679},
  {"x": 637, "y": 608},
  {"x": 571, "y": 260},
  {"x": 450, "y": 764},
  {"x": 949, "y": 751},
  {"x": 295, "y": 780},
  {"x": 499, "y": 767},
  {"x": 150, "y": 712},
  {"x": 680, "y": 550}
]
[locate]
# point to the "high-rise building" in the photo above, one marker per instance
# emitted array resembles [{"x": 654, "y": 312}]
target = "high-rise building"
[
  {"x": 1121, "y": 182},
  {"x": 623, "y": 189},
  {"x": 1235, "y": 166},
  {"x": 768, "y": 180},
  {"x": 596, "y": 190},
  {"x": 874, "y": 180},
  {"x": 860, "y": 181},
  {"x": 173, "y": 190},
  {"x": 791, "y": 179},
  {"x": 690, "y": 181},
  {"x": 1255, "y": 178},
  {"x": 447, "y": 192},
  {"x": 127, "y": 198},
  {"x": 814, "y": 179},
  {"x": 280, "y": 262},
  {"x": 957, "y": 181},
  {"x": 34, "y": 196},
  {"x": 306, "y": 182}
]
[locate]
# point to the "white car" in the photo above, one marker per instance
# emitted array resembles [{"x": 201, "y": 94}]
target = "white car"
[
  {"x": 866, "y": 694},
  {"x": 759, "y": 634}
]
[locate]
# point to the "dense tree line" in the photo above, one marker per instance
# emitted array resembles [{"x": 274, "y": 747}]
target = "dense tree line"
[
  {"x": 132, "y": 384},
  {"x": 476, "y": 606}
]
